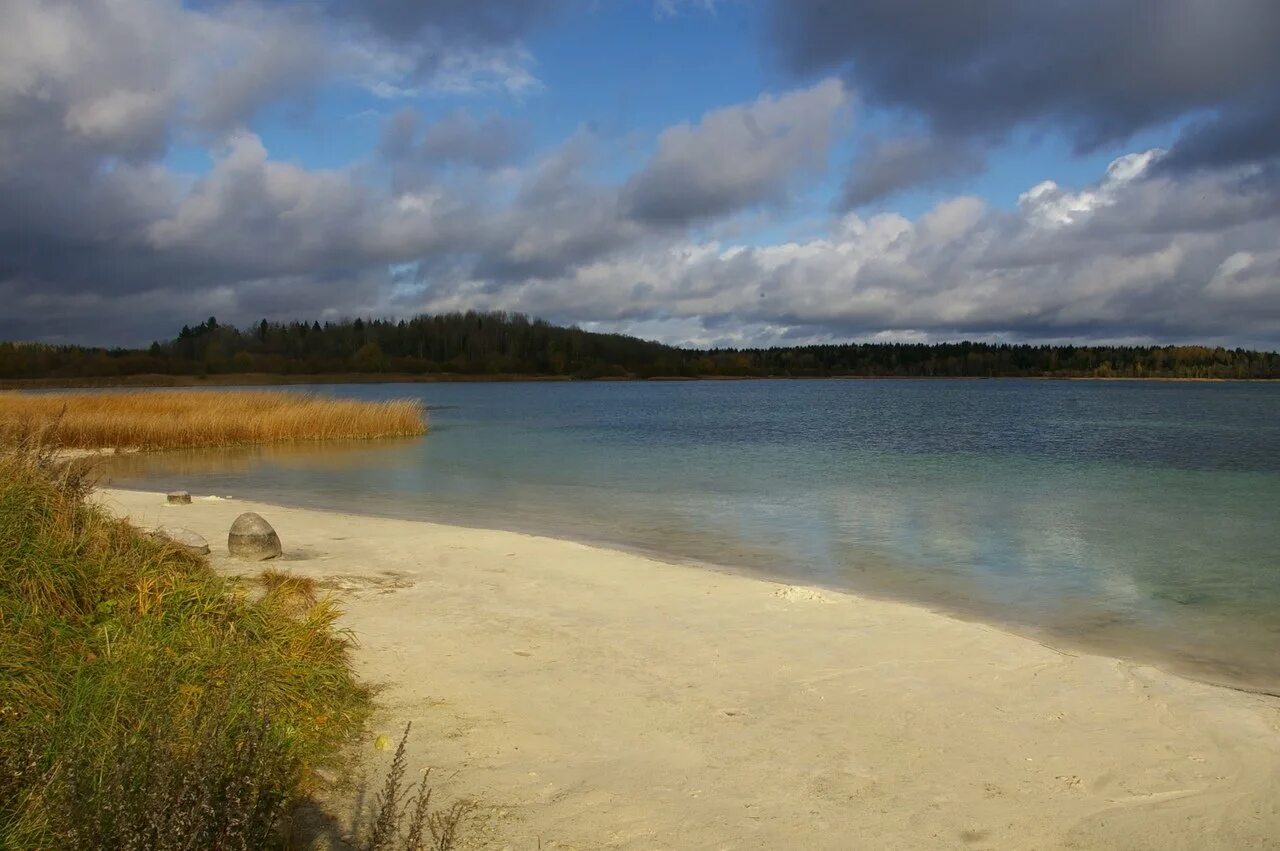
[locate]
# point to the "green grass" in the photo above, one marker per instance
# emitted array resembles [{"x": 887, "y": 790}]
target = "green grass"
[{"x": 146, "y": 702}]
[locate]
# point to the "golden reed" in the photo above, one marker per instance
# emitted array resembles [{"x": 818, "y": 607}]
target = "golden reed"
[{"x": 184, "y": 419}]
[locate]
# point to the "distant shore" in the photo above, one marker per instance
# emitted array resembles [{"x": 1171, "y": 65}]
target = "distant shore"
[
  {"x": 592, "y": 698},
  {"x": 255, "y": 379}
]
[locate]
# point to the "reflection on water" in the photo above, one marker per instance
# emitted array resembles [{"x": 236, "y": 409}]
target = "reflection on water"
[
  {"x": 334, "y": 456},
  {"x": 1137, "y": 518}
]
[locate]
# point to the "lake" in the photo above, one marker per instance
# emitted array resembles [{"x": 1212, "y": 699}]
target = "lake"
[{"x": 1141, "y": 519}]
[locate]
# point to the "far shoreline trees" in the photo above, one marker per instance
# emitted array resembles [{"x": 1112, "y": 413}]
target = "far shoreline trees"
[{"x": 511, "y": 344}]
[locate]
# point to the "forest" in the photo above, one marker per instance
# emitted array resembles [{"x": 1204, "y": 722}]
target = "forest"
[{"x": 499, "y": 345}]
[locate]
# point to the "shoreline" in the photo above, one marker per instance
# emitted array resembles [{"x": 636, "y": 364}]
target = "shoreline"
[
  {"x": 600, "y": 698},
  {"x": 1207, "y": 670},
  {"x": 226, "y": 380}
]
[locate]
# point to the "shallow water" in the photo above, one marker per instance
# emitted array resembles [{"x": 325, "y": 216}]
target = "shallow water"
[{"x": 1138, "y": 518}]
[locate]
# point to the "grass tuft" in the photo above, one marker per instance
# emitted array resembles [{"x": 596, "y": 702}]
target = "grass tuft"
[
  {"x": 303, "y": 590},
  {"x": 189, "y": 419}
]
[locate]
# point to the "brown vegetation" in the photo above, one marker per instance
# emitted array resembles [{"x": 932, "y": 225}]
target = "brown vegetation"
[
  {"x": 403, "y": 818},
  {"x": 175, "y": 420}
]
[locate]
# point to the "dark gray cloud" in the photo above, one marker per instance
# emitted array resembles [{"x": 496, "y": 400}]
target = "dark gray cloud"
[
  {"x": 884, "y": 167},
  {"x": 1238, "y": 134},
  {"x": 461, "y": 138},
  {"x": 736, "y": 157},
  {"x": 458, "y": 138},
  {"x": 1098, "y": 69}
]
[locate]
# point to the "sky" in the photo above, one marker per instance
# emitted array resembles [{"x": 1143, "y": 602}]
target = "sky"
[{"x": 702, "y": 172}]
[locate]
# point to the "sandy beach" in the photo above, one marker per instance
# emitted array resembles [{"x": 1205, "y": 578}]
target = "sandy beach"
[{"x": 588, "y": 698}]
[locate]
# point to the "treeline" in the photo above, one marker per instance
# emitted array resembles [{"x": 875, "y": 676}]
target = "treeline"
[
  {"x": 956, "y": 360},
  {"x": 496, "y": 344}
]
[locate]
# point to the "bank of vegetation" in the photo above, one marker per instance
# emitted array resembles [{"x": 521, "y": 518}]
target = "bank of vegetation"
[
  {"x": 503, "y": 344},
  {"x": 145, "y": 701},
  {"x": 184, "y": 419},
  {"x": 148, "y": 703}
]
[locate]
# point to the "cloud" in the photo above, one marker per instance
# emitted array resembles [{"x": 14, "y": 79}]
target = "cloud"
[
  {"x": 474, "y": 21},
  {"x": 455, "y": 46},
  {"x": 63, "y": 62},
  {"x": 92, "y": 95},
  {"x": 100, "y": 241},
  {"x": 559, "y": 220},
  {"x": 888, "y": 166},
  {"x": 457, "y": 138},
  {"x": 673, "y": 8},
  {"x": 1140, "y": 254},
  {"x": 254, "y": 216},
  {"x": 246, "y": 57},
  {"x": 1238, "y": 134},
  {"x": 125, "y": 77},
  {"x": 1048, "y": 205},
  {"x": 1100, "y": 70},
  {"x": 1136, "y": 256},
  {"x": 736, "y": 157}
]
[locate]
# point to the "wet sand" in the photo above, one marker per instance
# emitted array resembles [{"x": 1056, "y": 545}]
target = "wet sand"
[{"x": 589, "y": 698}]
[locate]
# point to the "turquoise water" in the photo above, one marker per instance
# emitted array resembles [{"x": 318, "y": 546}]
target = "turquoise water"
[{"x": 1138, "y": 518}]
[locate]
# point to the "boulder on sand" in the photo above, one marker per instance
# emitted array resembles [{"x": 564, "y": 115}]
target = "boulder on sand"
[
  {"x": 252, "y": 538},
  {"x": 179, "y": 498},
  {"x": 184, "y": 538}
]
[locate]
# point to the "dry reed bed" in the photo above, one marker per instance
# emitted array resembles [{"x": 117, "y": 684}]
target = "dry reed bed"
[{"x": 178, "y": 420}]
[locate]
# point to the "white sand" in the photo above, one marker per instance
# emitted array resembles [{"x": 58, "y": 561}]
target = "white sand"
[{"x": 597, "y": 699}]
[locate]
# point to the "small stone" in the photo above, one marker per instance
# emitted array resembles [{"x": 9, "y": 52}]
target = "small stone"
[
  {"x": 179, "y": 498},
  {"x": 183, "y": 538},
  {"x": 252, "y": 538}
]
